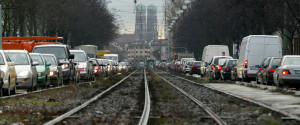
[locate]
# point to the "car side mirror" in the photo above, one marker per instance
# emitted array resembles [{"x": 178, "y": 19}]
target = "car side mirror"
[
  {"x": 11, "y": 64},
  {"x": 48, "y": 64},
  {"x": 71, "y": 56},
  {"x": 34, "y": 63}
]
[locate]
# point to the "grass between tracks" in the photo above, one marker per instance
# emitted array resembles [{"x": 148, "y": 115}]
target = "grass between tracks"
[{"x": 37, "y": 108}]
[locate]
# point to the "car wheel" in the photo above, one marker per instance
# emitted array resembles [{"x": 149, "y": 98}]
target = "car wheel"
[
  {"x": 13, "y": 91},
  {"x": 8, "y": 88},
  {"x": 257, "y": 82}
]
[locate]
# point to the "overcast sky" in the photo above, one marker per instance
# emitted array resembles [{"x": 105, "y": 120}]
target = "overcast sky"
[{"x": 124, "y": 11}]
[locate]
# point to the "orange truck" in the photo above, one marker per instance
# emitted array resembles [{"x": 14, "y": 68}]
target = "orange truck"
[{"x": 27, "y": 43}]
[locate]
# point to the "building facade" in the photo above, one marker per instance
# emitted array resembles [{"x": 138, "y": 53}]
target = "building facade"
[
  {"x": 140, "y": 23},
  {"x": 152, "y": 33},
  {"x": 138, "y": 52}
]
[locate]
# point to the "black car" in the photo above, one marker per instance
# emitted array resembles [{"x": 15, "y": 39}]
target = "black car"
[
  {"x": 226, "y": 68},
  {"x": 266, "y": 70}
]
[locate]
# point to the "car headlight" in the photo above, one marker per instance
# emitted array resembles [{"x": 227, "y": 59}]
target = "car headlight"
[
  {"x": 23, "y": 74},
  {"x": 2, "y": 74},
  {"x": 41, "y": 74},
  {"x": 52, "y": 73},
  {"x": 65, "y": 66},
  {"x": 95, "y": 71}
]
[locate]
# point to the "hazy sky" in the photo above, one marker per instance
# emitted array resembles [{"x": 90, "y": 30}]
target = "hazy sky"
[{"x": 124, "y": 11}]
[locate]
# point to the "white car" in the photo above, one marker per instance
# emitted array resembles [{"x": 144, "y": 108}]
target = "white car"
[
  {"x": 288, "y": 72},
  {"x": 8, "y": 75},
  {"x": 27, "y": 76}
]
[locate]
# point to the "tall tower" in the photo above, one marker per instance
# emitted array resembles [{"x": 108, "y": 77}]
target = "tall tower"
[
  {"x": 152, "y": 22},
  {"x": 140, "y": 23}
]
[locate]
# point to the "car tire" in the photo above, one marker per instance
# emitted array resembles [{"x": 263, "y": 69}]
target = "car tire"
[
  {"x": 257, "y": 82},
  {"x": 13, "y": 92}
]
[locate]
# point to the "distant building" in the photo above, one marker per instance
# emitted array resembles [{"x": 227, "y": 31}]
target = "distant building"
[
  {"x": 152, "y": 33},
  {"x": 138, "y": 52},
  {"x": 140, "y": 23}
]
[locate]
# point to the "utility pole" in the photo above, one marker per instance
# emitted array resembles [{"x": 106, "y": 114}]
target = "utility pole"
[{"x": 1, "y": 27}]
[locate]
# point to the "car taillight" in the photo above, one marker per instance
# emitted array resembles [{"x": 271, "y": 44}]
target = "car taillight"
[
  {"x": 82, "y": 69},
  {"x": 219, "y": 67},
  {"x": 285, "y": 72},
  {"x": 246, "y": 63},
  {"x": 227, "y": 69},
  {"x": 271, "y": 70}
]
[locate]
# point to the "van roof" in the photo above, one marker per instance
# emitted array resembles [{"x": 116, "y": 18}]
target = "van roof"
[
  {"x": 262, "y": 36},
  {"x": 77, "y": 51},
  {"x": 215, "y": 45}
]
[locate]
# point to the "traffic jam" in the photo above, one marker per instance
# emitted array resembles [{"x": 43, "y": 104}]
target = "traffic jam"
[
  {"x": 259, "y": 62},
  {"x": 28, "y": 64}
]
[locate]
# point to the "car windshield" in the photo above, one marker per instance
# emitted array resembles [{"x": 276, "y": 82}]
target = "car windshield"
[
  {"x": 275, "y": 62},
  {"x": 59, "y": 52},
  {"x": 292, "y": 61},
  {"x": 50, "y": 59},
  {"x": 18, "y": 58},
  {"x": 1, "y": 60},
  {"x": 95, "y": 62},
  {"x": 111, "y": 57},
  {"x": 197, "y": 64},
  {"x": 37, "y": 58},
  {"x": 79, "y": 56},
  {"x": 189, "y": 63},
  {"x": 231, "y": 62}
]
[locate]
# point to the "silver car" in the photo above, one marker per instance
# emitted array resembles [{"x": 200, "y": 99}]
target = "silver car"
[
  {"x": 56, "y": 75},
  {"x": 27, "y": 75},
  {"x": 288, "y": 71},
  {"x": 8, "y": 75},
  {"x": 81, "y": 59}
]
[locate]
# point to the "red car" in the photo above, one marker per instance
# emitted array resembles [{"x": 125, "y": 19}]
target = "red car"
[{"x": 195, "y": 68}]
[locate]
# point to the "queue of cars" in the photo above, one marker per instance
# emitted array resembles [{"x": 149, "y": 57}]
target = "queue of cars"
[
  {"x": 50, "y": 65},
  {"x": 260, "y": 59}
]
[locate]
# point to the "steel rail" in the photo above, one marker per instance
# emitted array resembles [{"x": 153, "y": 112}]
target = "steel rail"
[
  {"x": 146, "y": 112},
  {"x": 205, "y": 108},
  {"x": 58, "y": 87},
  {"x": 73, "y": 111},
  {"x": 292, "y": 116}
]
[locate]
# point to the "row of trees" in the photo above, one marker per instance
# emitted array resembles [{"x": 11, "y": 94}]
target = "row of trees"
[
  {"x": 224, "y": 22},
  {"x": 78, "y": 21}
]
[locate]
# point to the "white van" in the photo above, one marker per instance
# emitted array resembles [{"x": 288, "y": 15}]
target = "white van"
[
  {"x": 209, "y": 52},
  {"x": 253, "y": 50},
  {"x": 114, "y": 57}
]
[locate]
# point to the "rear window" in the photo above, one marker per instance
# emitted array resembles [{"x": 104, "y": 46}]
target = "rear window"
[
  {"x": 292, "y": 61},
  {"x": 59, "y": 52},
  {"x": 79, "y": 56},
  {"x": 275, "y": 62},
  {"x": 18, "y": 58},
  {"x": 231, "y": 62},
  {"x": 37, "y": 58}
]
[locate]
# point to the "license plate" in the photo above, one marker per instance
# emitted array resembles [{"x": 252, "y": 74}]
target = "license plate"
[{"x": 297, "y": 71}]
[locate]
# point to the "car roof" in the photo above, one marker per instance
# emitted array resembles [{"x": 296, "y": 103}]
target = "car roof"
[
  {"x": 35, "y": 54},
  {"x": 50, "y": 45},
  {"x": 77, "y": 51},
  {"x": 48, "y": 54},
  {"x": 21, "y": 51}
]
